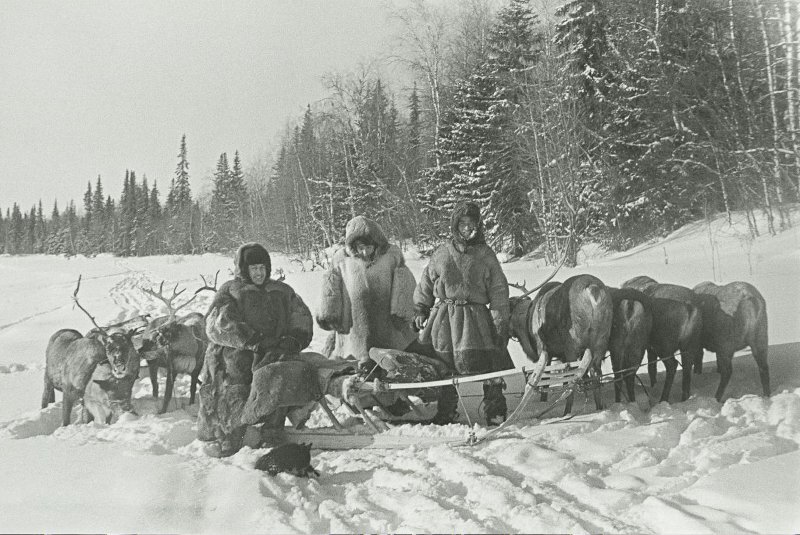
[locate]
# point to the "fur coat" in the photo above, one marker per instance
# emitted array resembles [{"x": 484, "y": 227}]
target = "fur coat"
[
  {"x": 460, "y": 281},
  {"x": 367, "y": 304},
  {"x": 245, "y": 322}
]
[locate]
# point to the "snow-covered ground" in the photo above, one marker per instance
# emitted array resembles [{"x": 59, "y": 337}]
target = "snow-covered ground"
[{"x": 692, "y": 467}]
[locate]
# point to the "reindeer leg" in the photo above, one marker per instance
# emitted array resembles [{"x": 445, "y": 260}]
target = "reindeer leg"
[
  {"x": 630, "y": 379},
  {"x": 66, "y": 409},
  {"x": 619, "y": 378},
  {"x": 760, "y": 349},
  {"x": 168, "y": 387},
  {"x": 689, "y": 359},
  {"x": 49, "y": 393},
  {"x": 598, "y": 353},
  {"x": 725, "y": 367},
  {"x": 596, "y": 386},
  {"x": 671, "y": 364},
  {"x": 152, "y": 368},
  {"x": 652, "y": 365},
  {"x": 193, "y": 386}
]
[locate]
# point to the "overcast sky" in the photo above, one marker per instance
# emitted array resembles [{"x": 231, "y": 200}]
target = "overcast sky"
[{"x": 97, "y": 87}]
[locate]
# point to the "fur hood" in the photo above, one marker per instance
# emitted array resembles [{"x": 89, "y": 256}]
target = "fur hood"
[
  {"x": 240, "y": 272},
  {"x": 472, "y": 210},
  {"x": 361, "y": 228}
]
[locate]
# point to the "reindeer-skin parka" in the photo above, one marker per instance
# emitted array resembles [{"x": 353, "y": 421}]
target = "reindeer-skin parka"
[
  {"x": 247, "y": 325},
  {"x": 242, "y": 315},
  {"x": 464, "y": 294},
  {"x": 367, "y": 304}
]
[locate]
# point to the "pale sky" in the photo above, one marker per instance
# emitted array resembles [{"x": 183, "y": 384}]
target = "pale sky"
[{"x": 98, "y": 87}]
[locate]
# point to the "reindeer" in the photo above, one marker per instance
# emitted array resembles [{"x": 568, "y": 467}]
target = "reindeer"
[
  {"x": 175, "y": 344},
  {"x": 677, "y": 325},
  {"x": 74, "y": 361},
  {"x": 630, "y": 333},
  {"x": 564, "y": 321},
  {"x": 734, "y": 317}
]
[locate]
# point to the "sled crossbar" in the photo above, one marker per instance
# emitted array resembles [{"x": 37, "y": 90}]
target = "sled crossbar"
[
  {"x": 372, "y": 433},
  {"x": 554, "y": 374}
]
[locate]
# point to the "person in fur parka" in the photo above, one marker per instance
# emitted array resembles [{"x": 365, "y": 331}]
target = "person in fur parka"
[
  {"x": 367, "y": 294},
  {"x": 462, "y": 305},
  {"x": 253, "y": 320}
]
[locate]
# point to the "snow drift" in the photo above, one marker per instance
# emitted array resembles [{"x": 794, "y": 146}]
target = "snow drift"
[{"x": 692, "y": 467}]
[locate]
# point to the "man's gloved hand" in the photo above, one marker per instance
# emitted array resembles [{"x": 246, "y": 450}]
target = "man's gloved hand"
[
  {"x": 369, "y": 370},
  {"x": 289, "y": 344},
  {"x": 419, "y": 322}
]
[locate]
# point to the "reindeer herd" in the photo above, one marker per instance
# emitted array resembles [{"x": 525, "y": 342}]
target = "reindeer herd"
[
  {"x": 581, "y": 314},
  {"x": 101, "y": 367},
  {"x": 561, "y": 321}
]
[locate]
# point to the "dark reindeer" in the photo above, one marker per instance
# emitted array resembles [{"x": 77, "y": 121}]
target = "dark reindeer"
[
  {"x": 74, "y": 361},
  {"x": 176, "y": 344},
  {"x": 677, "y": 326},
  {"x": 563, "y": 321},
  {"x": 734, "y": 317},
  {"x": 630, "y": 334}
]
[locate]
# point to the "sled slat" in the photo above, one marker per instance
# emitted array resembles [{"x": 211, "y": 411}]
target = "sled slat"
[{"x": 330, "y": 439}]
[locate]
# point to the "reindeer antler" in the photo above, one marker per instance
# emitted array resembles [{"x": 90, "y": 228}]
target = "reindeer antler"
[
  {"x": 527, "y": 292},
  {"x": 521, "y": 287},
  {"x": 141, "y": 318},
  {"x": 172, "y": 310},
  {"x": 206, "y": 285},
  {"x": 75, "y": 299}
]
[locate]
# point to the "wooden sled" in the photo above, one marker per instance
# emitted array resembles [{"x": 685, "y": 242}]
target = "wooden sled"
[{"x": 374, "y": 433}]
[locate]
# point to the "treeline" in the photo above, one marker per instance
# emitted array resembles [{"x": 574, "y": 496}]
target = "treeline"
[
  {"x": 610, "y": 121},
  {"x": 617, "y": 121},
  {"x": 138, "y": 224}
]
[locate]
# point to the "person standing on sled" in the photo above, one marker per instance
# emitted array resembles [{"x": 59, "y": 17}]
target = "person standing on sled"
[
  {"x": 367, "y": 298},
  {"x": 253, "y": 320},
  {"x": 461, "y": 279}
]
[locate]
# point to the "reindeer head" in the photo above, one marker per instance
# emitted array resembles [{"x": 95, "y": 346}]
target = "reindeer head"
[
  {"x": 159, "y": 334},
  {"x": 118, "y": 346},
  {"x": 120, "y": 353}
]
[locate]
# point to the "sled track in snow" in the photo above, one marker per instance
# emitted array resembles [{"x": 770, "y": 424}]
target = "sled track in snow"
[
  {"x": 30, "y": 317},
  {"x": 127, "y": 294}
]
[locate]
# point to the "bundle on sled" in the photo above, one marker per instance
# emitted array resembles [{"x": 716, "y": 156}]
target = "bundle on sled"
[{"x": 408, "y": 381}]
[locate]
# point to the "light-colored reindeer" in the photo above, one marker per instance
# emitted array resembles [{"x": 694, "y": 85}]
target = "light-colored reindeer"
[{"x": 176, "y": 344}]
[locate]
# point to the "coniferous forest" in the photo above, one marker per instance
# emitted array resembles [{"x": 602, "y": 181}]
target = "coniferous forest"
[{"x": 605, "y": 121}]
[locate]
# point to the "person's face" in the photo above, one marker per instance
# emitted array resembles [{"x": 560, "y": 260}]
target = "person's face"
[
  {"x": 467, "y": 227},
  {"x": 258, "y": 273},
  {"x": 364, "y": 251}
]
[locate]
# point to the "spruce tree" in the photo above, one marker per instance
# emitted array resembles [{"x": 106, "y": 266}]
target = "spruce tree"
[
  {"x": 481, "y": 158},
  {"x": 39, "y": 231},
  {"x": 181, "y": 228},
  {"x": 97, "y": 234},
  {"x": 238, "y": 188},
  {"x": 220, "y": 214},
  {"x": 154, "y": 215},
  {"x": 14, "y": 230},
  {"x": 87, "y": 206},
  {"x": 181, "y": 194}
]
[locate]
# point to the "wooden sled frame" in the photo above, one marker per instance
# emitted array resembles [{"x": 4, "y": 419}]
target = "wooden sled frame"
[{"x": 376, "y": 433}]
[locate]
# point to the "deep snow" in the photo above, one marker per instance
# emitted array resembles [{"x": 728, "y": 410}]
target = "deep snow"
[{"x": 692, "y": 467}]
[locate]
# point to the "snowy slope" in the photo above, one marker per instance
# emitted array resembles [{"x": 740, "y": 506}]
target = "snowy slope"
[{"x": 692, "y": 467}]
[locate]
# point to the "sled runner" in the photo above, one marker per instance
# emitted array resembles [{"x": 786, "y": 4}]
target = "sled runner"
[{"x": 381, "y": 432}]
